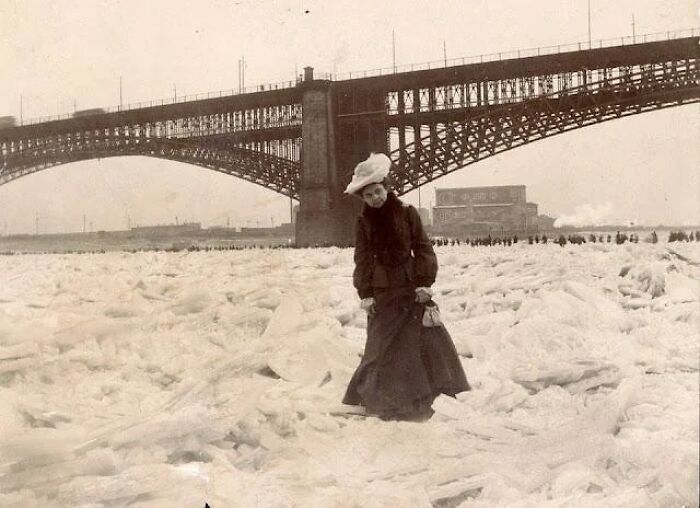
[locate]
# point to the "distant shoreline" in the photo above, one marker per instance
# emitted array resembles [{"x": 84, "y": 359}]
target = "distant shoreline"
[
  {"x": 230, "y": 239},
  {"x": 564, "y": 230},
  {"x": 232, "y": 234}
]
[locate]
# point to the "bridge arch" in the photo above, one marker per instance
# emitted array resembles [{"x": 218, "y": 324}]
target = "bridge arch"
[
  {"x": 221, "y": 155},
  {"x": 459, "y": 144}
]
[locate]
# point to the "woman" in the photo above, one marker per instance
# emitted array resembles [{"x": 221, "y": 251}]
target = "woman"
[{"x": 405, "y": 365}]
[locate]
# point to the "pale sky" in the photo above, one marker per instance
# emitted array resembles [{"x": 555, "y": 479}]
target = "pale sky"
[{"x": 55, "y": 53}]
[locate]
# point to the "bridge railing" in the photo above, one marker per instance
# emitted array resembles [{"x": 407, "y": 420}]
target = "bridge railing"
[{"x": 521, "y": 53}]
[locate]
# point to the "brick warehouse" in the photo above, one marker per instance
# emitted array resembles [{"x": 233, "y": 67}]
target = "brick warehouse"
[{"x": 484, "y": 210}]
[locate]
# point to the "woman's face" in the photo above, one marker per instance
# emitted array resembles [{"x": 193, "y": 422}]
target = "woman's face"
[{"x": 374, "y": 195}]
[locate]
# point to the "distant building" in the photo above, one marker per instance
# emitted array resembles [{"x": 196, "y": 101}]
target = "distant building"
[
  {"x": 285, "y": 229},
  {"x": 483, "y": 210},
  {"x": 545, "y": 222},
  {"x": 221, "y": 231},
  {"x": 424, "y": 216},
  {"x": 166, "y": 230},
  {"x": 531, "y": 216}
]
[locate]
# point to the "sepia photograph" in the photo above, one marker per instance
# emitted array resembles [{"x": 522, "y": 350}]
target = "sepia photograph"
[{"x": 349, "y": 254}]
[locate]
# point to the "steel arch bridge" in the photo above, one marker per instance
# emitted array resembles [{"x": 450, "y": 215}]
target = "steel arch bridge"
[{"x": 456, "y": 137}]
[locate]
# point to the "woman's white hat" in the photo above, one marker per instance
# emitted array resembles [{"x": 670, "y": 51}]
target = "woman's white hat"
[{"x": 373, "y": 170}]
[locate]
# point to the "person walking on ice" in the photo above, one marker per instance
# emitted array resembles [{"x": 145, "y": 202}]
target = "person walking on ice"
[{"x": 409, "y": 357}]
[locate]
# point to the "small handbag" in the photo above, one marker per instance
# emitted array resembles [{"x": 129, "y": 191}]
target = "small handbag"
[{"x": 431, "y": 315}]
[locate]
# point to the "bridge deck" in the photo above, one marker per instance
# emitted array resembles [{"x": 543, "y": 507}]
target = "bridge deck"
[
  {"x": 157, "y": 113},
  {"x": 597, "y": 58}
]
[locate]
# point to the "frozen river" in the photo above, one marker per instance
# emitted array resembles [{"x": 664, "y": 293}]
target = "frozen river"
[{"x": 167, "y": 379}]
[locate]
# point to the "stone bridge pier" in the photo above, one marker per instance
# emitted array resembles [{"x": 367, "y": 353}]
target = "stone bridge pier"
[{"x": 341, "y": 126}]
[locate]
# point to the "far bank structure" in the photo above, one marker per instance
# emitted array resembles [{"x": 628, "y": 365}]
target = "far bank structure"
[
  {"x": 458, "y": 212},
  {"x": 494, "y": 210}
]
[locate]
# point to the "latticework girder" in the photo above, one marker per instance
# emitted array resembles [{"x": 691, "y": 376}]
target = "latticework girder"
[
  {"x": 219, "y": 154},
  {"x": 459, "y": 142}
]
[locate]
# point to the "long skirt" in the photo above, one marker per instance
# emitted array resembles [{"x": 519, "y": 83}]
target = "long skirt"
[{"x": 405, "y": 365}]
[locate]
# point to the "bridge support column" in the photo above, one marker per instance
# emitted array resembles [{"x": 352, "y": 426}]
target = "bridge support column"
[
  {"x": 325, "y": 216},
  {"x": 340, "y": 128}
]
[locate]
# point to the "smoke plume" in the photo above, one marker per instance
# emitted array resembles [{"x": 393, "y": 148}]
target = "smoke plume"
[{"x": 586, "y": 215}]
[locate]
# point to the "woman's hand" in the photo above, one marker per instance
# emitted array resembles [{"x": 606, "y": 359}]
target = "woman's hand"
[
  {"x": 423, "y": 294},
  {"x": 368, "y": 305}
]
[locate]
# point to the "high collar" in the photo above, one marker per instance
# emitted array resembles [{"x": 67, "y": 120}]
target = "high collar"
[{"x": 392, "y": 202}]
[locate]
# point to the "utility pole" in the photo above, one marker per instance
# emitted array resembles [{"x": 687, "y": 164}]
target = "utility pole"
[
  {"x": 241, "y": 75},
  {"x": 175, "y": 92},
  {"x": 83, "y": 223},
  {"x": 120, "y": 93},
  {"x": 444, "y": 52},
  {"x": 634, "y": 34},
  {"x": 589, "y": 24},
  {"x": 393, "y": 50}
]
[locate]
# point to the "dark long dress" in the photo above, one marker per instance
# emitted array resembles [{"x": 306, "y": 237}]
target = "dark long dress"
[{"x": 405, "y": 365}]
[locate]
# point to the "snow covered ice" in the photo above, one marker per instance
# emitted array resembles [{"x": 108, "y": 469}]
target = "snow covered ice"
[{"x": 167, "y": 379}]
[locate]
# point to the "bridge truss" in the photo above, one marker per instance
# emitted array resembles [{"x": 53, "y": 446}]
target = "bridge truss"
[
  {"x": 436, "y": 131},
  {"x": 260, "y": 144}
]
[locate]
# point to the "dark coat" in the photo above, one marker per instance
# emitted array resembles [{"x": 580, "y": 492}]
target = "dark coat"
[
  {"x": 412, "y": 260},
  {"x": 405, "y": 365}
]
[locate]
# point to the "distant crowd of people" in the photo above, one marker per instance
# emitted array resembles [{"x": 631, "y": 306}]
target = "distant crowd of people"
[
  {"x": 574, "y": 238},
  {"x": 485, "y": 240},
  {"x": 190, "y": 248},
  {"x": 682, "y": 236}
]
